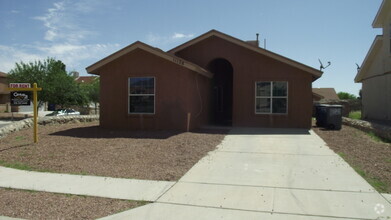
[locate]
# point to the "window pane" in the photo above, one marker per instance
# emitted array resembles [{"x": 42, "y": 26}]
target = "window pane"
[
  {"x": 280, "y": 89},
  {"x": 279, "y": 105},
  {"x": 263, "y": 88},
  {"x": 262, "y": 105},
  {"x": 141, "y": 85},
  {"x": 141, "y": 104}
]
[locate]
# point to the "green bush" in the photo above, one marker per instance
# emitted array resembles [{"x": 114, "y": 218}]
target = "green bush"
[{"x": 355, "y": 115}]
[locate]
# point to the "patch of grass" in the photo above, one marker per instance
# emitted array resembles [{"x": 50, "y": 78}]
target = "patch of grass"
[
  {"x": 343, "y": 155},
  {"x": 377, "y": 138},
  {"x": 22, "y": 166},
  {"x": 19, "y": 138},
  {"x": 16, "y": 165},
  {"x": 355, "y": 115},
  {"x": 373, "y": 181},
  {"x": 388, "y": 160},
  {"x": 24, "y": 190},
  {"x": 140, "y": 203}
]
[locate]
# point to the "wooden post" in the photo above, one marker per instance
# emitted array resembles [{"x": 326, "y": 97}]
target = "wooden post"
[{"x": 35, "y": 105}]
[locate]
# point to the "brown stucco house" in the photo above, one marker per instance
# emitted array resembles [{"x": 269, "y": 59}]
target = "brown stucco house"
[
  {"x": 324, "y": 94},
  {"x": 211, "y": 79}
]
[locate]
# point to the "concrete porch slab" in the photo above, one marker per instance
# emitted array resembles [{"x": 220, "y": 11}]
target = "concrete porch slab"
[{"x": 275, "y": 144}]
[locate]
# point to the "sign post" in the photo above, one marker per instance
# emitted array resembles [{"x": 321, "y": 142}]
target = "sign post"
[{"x": 25, "y": 87}]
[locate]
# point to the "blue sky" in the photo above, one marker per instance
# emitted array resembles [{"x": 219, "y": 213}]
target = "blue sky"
[{"x": 81, "y": 32}]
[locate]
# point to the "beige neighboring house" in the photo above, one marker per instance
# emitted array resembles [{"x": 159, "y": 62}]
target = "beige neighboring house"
[
  {"x": 4, "y": 93},
  {"x": 323, "y": 94},
  {"x": 375, "y": 72}
]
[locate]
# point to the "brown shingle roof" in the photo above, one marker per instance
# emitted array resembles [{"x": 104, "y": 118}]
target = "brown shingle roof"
[
  {"x": 326, "y": 93},
  {"x": 3, "y": 74},
  {"x": 85, "y": 79}
]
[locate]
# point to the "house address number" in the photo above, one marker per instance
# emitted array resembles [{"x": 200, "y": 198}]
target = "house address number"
[{"x": 178, "y": 61}]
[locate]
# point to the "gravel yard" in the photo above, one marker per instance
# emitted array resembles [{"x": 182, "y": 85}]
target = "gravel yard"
[
  {"x": 42, "y": 205},
  {"x": 85, "y": 148},
  {"x": 370, "y": 158}
]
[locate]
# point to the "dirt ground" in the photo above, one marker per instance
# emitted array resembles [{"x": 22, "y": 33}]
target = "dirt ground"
[
  {"x": 42, "y": 205},
  {"x": 85, "y": 148},
  {"x": 369, "y": 157}
]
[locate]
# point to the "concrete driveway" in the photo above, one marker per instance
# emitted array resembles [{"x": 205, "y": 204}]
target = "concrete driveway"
[{"x": 268, "y": 174}]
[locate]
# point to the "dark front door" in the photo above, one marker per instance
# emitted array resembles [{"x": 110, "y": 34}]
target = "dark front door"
[{"x": 222, "y": 91}]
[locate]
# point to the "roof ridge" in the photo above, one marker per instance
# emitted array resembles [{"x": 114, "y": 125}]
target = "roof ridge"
[{"x": 315, "y": 72}]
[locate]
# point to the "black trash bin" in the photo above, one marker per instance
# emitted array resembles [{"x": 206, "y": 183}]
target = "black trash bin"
[
  {"x": 321, "y": 115},
  {"x": 334, "y": 117}
]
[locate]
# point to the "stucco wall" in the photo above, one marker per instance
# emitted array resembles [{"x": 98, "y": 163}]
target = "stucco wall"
[
  {"x": 376, "y": 98},
  {"x": 249, "y": 67},
  {"x": 176, "y": 93}
]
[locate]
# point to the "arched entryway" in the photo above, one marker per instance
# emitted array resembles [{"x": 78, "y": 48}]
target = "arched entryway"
[{"x": 222, "y": 91}]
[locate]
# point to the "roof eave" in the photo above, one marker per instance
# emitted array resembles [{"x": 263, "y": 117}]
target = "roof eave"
[
  {"x": 378, "y": 21},
  {"x": 94, "y": 68},
  {"x": 376, "y": 44}
]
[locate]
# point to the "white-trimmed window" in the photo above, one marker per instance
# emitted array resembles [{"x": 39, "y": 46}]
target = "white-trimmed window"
[
  {"x": 141, "y": 95},
  {"x": 271, "y": 97}
]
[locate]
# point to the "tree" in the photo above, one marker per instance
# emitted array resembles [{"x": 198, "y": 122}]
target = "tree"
[
  {"x": 345, "y": 95},
  {"x": 58, "y": 87},
  {"x": 92, "y": 91}
]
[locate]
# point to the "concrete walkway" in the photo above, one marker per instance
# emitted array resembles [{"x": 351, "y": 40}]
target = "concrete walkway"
[
  {"x": 268, "y": 174},
  {"x": 116, "y": 188}
]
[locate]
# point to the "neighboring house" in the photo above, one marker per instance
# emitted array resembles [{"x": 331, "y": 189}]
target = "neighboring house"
[
  {"x": 212, "y": 79},
  {"x": 5, "y": 94},
  {"x": 85, "y": 79},
  {"x": 324, "y": 94},
  {"x": 375, "y": 71}
]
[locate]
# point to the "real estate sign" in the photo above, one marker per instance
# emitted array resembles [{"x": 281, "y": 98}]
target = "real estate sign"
[
  {"x": 20, "y": 85},
  {"x": 20, "y": 98}
]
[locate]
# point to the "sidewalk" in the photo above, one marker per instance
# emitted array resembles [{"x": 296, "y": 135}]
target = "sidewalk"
[{"x": 115, "y": 188}]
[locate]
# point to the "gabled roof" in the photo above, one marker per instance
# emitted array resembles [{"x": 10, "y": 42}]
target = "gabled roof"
[
  {"x": 85, "y": 79},
  {"x": 325, "y": 93},
  {"x": 316, "y": 73},
  {"x": 384, "y": 10},
  {"x": 94, "y": 68},
  {"x": 375, "y": 47},
  {"x": 3, "y": 74}
]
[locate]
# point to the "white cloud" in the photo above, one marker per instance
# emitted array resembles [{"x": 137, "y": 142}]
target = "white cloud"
[
  {"x": 15, "y": 11},
  {"x": 153, "y": 38},
  {"x": 72, "y": 55},
  {"x": 180, "y": 36},
  {"x": 63, "y": 39},
  {"x": 61, "y": 22},
  {"x": 9, "y": 55},
  {"x": 164, "y": 39}
]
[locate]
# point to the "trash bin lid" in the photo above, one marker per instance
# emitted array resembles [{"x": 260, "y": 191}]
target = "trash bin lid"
[
  {"x": 322, "y": 105},
  {"x": 335, "y": 106}
]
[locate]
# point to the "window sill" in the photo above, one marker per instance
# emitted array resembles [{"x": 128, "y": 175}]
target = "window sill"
[
  {"x": 142, "y": 115},
  {"x": 271, "y": 114}
]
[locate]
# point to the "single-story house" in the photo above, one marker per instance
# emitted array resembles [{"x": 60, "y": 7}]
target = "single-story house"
[
  {"x": 211, "y": 79},
  {"x": 375, "y": 71},
  {"x": 5, "y": 95},
  {"x": 323, "y": 94}
]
